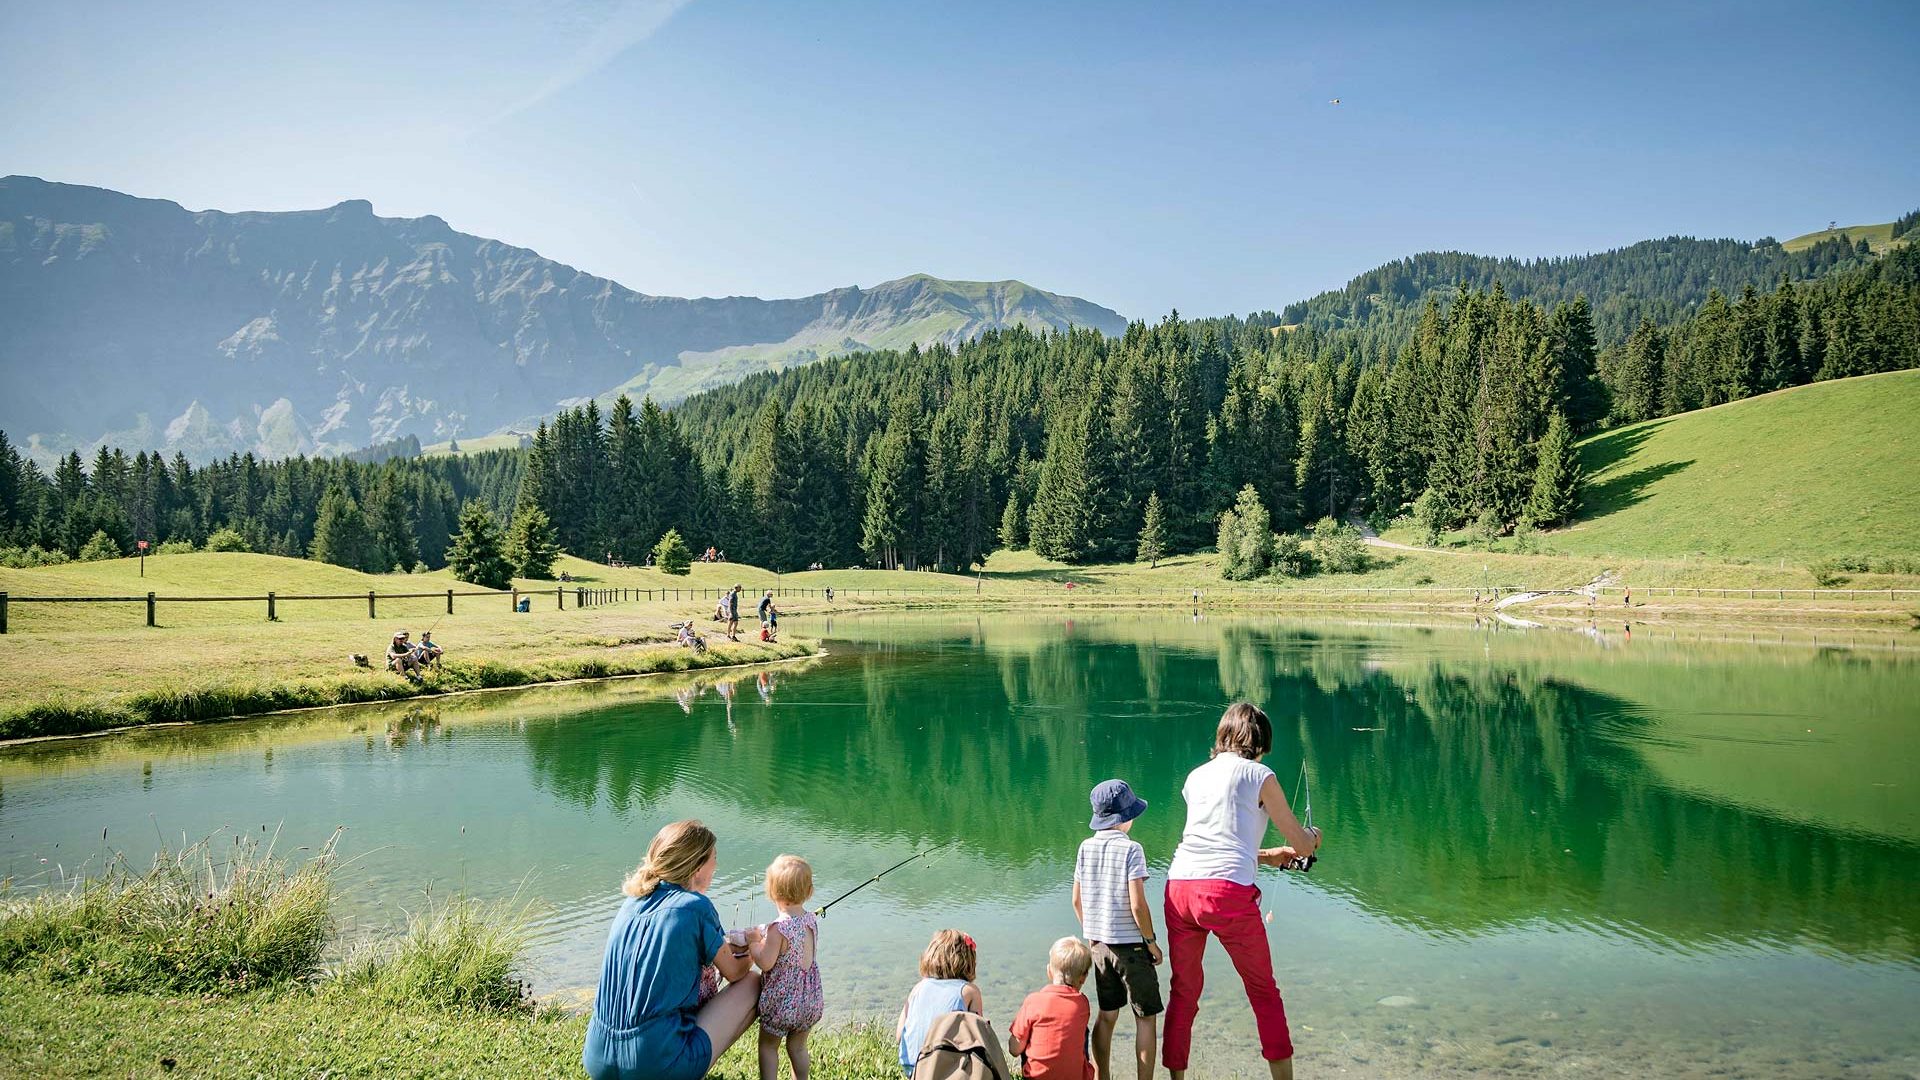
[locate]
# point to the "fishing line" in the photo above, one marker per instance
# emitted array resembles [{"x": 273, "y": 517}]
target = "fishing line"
[{"x": 822, "y": 909}]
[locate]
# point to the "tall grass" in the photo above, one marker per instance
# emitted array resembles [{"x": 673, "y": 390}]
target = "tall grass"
[
  {"x": 204, "y": 919},
  {"x": 459, "y": 953}
]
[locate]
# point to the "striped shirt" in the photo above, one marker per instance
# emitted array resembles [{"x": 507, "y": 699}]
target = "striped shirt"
[{"x": 1109, "y": 861}]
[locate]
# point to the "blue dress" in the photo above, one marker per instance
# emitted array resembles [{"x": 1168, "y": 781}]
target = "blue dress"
[
  {"x": 643, "y": 1025},
  {"x": 929, "y": 1000}
]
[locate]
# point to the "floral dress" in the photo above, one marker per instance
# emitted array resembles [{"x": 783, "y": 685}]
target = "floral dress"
[{"x": 790, "y": 996}]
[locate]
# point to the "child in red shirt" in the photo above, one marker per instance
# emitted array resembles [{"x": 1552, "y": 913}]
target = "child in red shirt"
[{"x": 1049, "y": 1033}]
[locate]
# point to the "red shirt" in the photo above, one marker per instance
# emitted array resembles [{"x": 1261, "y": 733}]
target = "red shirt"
[{"x": 1052, "y": 1028}]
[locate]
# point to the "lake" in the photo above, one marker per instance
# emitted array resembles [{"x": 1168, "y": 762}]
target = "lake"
[{"x": 1546, "y": 851}]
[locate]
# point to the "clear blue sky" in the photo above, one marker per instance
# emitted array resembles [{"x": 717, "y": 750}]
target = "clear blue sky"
[{"x": 1145, "y": 157}]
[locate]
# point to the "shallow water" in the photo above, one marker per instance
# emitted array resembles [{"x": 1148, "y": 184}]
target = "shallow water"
[{"x": 1547, "y": 852}]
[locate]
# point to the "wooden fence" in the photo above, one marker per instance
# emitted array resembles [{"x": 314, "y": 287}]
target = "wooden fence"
[{"x": 584, "y": 596}]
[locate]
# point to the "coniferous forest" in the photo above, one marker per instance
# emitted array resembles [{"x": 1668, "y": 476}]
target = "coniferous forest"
[{"x": 1458, "y": 404}]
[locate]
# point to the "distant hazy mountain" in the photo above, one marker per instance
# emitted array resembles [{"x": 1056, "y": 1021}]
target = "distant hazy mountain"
[{"x": 148, "y": 325}]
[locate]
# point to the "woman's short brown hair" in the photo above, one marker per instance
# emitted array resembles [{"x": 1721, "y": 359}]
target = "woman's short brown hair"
[
  {"x": 950, "y": 955},
  {"x": 1243, "y": 730}
]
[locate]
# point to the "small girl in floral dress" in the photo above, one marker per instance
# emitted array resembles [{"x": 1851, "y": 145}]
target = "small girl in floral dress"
[{"x": 790, "y": 997}]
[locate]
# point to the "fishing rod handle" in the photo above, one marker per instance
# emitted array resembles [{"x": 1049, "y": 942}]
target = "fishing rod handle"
[{"x": 1304, "y": 864}]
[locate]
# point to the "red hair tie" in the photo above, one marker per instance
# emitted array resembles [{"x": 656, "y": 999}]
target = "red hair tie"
[{"x": 968, "y": 938}]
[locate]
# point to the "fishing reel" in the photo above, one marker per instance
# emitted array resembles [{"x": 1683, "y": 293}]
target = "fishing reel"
[{"x": 1304, "y": 863}]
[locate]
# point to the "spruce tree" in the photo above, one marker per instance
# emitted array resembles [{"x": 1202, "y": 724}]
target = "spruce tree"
[
  {"x": 1245, "y": 538},
  {"x": 531, "y": 544},
  {"x": 341, "y": 535},
  {"x": 1556, "y": 479},
  {"x": 475, "y": 556},
  {"x": 1153, "y": 534},
  {"x": 671, "y": 555},
  {"x": 1012, "y": 524}
]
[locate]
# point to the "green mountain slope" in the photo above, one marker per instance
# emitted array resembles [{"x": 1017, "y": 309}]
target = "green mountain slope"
[
  {"x": 1828, "y": 467},
  {"x": 1878, "y": 237}
]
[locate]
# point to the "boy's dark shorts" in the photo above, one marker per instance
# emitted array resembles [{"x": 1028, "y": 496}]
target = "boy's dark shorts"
[{"x": 1123, "y": 972}]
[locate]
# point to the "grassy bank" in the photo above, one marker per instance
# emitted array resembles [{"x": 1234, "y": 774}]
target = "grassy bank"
[{"x": 215, "y": 965}]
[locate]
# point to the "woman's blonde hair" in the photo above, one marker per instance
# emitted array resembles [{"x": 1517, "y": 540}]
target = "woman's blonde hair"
[
  {"x": 950, "y": 955},
  {"x": 1243, "y": 730},
  {"x": 789, "y": 880},
  {"x": 677, "y": 852}
]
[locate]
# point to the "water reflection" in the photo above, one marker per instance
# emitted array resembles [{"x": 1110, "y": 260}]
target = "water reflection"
[{"x": 1460, "y": 798}]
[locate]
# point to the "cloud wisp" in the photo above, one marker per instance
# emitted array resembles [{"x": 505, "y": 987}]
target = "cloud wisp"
[{"x": 633, "y": 22}]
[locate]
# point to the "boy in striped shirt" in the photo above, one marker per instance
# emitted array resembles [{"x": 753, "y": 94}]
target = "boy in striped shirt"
[{"x": 1110, "y": 899}]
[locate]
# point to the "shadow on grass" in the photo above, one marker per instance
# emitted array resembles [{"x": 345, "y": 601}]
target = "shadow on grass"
[
  {"x": 1620, "y": 492},
  {"x": 1605, "y": 451}
]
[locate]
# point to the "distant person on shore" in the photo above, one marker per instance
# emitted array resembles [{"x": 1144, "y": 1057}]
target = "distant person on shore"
[
  {"x": 429, "y": 654},
  {"x": 1210, "y": 885},
  {"x": 1049, "y": 1032},
  {"x": 769, "y": 618},
  {"x": 1110, "y": 900},
  {"x": 400, "y": 656},
  {"x": 947, "y": 970},
  {"x": 791, "y": 1000},
  {"x": 733, "y": 613},
  {"x": 648, "y": 1021}
]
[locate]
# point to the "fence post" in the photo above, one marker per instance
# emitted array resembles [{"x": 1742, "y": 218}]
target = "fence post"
[
  {"x": 270, "y": 611},
  {"x": 370, "y": 604},
  {"x": 449, "y": 601},
  {"x": 149, "y": 609},
  {"x": 560, "y": 596},
  {"x": 515, "y": 598},
  {"x": 579, "y": 596},
  {"x": 3, "y": 612}
]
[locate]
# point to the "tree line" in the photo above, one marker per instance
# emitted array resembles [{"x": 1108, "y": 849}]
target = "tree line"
[{"x": 1082, "y": 447}]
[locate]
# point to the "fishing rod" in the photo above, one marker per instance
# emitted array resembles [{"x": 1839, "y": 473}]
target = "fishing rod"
[
  {"x": 1303, "y": 863},
  {"x": 822, "y": 909}
]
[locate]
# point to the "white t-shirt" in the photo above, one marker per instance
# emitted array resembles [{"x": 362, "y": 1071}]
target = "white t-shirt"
[{"x": 1225, "y": 823}]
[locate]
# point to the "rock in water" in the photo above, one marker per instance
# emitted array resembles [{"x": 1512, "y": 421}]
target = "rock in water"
[{"x": 1397, "y": 1001}]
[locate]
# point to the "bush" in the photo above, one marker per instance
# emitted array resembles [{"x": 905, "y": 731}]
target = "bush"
[
  {"x": 1526, "y": 538},
  {"x": 420, "y": 567},
  {"x": 175, "y": 547},
  {"x": 1487, "y": 528},
  {"x": 99, "y": 548},
  {"x": 1339, "y": 547},
  {"x": 1897, "y": 564},
  {"x": 227, "y": 540},
  {"x": 193, "y": 923},
  {"x": 1431, "y": 514},
  {"x": 32, "y": 555},
  {"x": 1291, "y": 557},
  {"x": 1826, "y": 573},
  {"x": 461, "y": 953}
]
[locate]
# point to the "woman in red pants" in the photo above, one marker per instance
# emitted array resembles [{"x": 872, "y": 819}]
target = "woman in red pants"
[{"x": 1210, "y": 889}]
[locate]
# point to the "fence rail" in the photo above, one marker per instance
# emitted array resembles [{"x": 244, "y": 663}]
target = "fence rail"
[{"x": 584, "y": 596}]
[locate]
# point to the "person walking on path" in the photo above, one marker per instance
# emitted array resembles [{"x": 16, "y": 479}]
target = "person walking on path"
[
  {"x": 649, "y": 1022},
  {"x": 1210, "y": 885}
]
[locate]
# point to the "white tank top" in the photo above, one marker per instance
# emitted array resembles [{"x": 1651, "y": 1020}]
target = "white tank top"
[{"x": 1225, "y": 823}]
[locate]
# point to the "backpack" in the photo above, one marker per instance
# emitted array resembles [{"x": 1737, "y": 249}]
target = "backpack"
[{"x": 961, "y": 1046}]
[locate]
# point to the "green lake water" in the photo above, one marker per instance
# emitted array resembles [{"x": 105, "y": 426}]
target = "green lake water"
[{"x": 1547, "y": 852}]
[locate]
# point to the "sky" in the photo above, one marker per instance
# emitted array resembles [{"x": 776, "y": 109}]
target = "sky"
[{"x": 1148, "y": 157}]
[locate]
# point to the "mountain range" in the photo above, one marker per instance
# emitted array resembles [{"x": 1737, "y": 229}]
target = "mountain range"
[{"x": 140, "y": 323}]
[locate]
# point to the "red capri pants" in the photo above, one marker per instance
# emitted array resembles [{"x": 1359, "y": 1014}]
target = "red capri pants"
[{"x": 1230, "y": 912}]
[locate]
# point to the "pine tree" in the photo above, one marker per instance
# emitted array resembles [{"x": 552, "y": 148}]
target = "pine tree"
[
  {"x": 99, "y": 547},
  {"x": 475, "y": 555},
  {"x": 1012, "y": 524},
  {"x": 671, "y": 556},
  {"x": 531, "y": 544},
  {"x": 1571, "y": 336},
  {"x": 391, "y": 525},
  {"x": 1153, "y": 534},
  {"x": 1637, "y": 393},
  {"x": 1556, "y": 479},
  {"x": 341, "y": 535}
]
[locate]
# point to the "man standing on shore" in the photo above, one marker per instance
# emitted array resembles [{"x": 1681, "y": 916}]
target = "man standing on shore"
[{"x": 733, "y": 613}]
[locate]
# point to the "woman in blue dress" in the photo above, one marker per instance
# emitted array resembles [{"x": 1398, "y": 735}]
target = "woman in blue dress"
[{"x": 648, "y": 1021}]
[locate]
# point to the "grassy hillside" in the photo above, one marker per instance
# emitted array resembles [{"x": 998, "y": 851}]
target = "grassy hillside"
[
  {"x": 1821, "y": 470},
  {"x": 1876, "y": 236}
]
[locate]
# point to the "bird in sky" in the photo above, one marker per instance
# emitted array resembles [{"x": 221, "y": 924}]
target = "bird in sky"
[{"x": 1335, "y": 101}]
